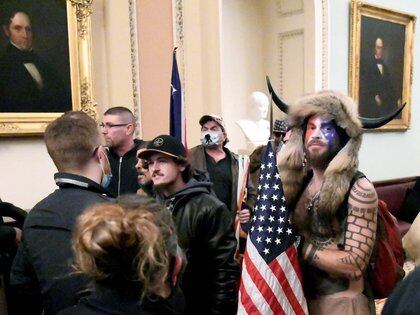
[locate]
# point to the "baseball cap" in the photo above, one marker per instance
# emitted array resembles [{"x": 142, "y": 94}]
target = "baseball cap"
[
  {"x": 164, "y": 144},
  {"x": 281, "y": 126},
  {"x": 212, "y": 117}
]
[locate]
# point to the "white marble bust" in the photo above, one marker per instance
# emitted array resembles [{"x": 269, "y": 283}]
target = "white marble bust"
[{"x": 257, "y": 128}]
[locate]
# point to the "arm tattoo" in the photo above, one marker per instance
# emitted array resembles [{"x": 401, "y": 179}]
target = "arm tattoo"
[
  {"x": 362, "y": 195},
  {"x": 361, "y": 226},
  {"x": 312, "y": 256}
]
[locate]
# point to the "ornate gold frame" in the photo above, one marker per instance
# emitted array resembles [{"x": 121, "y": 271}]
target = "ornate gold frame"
[
  {"x": 359, "y": 9},
  {"x": 79, "y": 30}
]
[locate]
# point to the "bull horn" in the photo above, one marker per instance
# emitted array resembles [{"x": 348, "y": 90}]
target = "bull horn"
[
  {"x": 372, "y": 123},
  {"x": 280, "y": 104}
]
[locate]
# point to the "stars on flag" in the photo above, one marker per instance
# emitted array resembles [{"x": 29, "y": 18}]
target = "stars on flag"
[{"x": 270, "y": 231}]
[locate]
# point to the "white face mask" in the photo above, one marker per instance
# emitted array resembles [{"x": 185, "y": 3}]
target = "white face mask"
[
  {"x": 210, "y": 138},
  {"x": 106, "y": 180}
]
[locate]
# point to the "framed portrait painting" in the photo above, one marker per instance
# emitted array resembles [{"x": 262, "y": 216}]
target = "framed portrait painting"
[
  {"x": 381, "y": 58},
  {"x": 45, "y": 63}
]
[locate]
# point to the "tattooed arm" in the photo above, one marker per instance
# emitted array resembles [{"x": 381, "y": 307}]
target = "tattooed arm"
[{"x": 351, "y": 261}]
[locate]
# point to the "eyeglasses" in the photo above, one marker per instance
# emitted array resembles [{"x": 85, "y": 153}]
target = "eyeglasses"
[{"x": 109, "y": 125}]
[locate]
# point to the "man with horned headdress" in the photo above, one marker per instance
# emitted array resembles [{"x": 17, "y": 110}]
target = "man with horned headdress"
[
  {"x": 337, "y": 219},
  {"x": 334, "y": 205}
]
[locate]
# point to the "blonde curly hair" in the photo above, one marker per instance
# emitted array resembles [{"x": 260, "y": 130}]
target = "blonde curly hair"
[{"x": 114, "y": 242}]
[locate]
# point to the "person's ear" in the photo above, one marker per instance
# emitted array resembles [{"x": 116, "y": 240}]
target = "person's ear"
[
  {"x": 224, "y": 136},
  {"x": 103, "y": 159},
  {"x": 130, "y": 129},
  {"x": 182, "y": 168}
]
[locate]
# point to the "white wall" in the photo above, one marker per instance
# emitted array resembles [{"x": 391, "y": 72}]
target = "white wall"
[
  {"x": 383, "y": 155},
  {"x": 241, "y": 63},
  {"x": 26, "y": 171}
]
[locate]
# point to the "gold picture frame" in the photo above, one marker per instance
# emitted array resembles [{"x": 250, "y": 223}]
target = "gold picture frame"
[
  {"x": 381, "y": 59},
  {"x": 79, "y": 44}
]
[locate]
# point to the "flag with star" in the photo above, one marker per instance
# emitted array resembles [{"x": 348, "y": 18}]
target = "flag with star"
[
  {"x": 177, "y": 112},
  {"x": 271, "y": 280}
]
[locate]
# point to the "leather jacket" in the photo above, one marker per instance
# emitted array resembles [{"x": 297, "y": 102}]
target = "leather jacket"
[{"x": 205, "y": 233}]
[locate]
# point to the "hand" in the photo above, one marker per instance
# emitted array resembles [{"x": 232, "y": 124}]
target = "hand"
[
  {"x": 244, "y": 216},
  {"x": 18, "y": 236}
]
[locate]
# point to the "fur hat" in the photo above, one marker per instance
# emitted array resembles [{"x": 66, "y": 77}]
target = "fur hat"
[{"x": 342, "y": 167}]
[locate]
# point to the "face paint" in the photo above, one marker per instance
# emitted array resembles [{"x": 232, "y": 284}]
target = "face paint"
[
  {"x": 329, "y": 131},
  {"x": 321, "y": 131}
]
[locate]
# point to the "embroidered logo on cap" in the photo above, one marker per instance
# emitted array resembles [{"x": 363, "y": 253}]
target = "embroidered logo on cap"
[{"x": 158, "y": 142}]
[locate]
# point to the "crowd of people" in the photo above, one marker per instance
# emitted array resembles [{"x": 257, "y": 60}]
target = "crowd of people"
[{"x": 148, "y": 227}]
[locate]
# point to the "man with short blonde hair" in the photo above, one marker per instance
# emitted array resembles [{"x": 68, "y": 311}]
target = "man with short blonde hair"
[{"x": 42, "y": 273}]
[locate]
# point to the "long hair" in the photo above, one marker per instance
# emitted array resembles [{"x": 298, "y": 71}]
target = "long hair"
[{"x": 117, "y": 243}]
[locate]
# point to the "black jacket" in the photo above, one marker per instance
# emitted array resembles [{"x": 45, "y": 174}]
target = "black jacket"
[
  {"x": 124, "y": 172},
  {"x": 7, "y": 232},
  {"x": 405, "y": 298},
  {"x": 112, "y": 301},
  {"x": 205, "y": 233},
  {"x": 43, "y": 261}
]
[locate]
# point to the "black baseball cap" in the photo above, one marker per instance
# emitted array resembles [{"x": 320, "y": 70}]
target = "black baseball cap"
[{"x": 164, "y": 144}]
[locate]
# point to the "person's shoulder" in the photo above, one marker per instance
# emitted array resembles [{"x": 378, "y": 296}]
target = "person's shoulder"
[
  {"x": 196, "y": 148},
  {"x": 195, "y": 151},
  {"x": 363, "y": 193},
  {"x": 364, "y": 183},
  {"x": 256, "y": 154},
  {"x": 140, "y": 143}
]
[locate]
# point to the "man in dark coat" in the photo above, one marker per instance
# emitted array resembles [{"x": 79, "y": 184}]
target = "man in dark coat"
[
  {"x": 27, "y": 83},
  {"x": 42, "y": 269},
  {"x": 118, "y": 126},
  {"x": 204, "y": 227},
  {"x": 378, "y": 96}
]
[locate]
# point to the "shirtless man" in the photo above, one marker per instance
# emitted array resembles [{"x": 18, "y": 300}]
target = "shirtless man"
[{"x": 335, "y": 206}]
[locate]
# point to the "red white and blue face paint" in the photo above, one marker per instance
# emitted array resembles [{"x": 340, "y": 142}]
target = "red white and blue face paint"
[{"x": 321, "y": 132}]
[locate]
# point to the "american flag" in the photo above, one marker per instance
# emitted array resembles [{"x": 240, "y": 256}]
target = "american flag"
[{"x": 271, "y": 281}]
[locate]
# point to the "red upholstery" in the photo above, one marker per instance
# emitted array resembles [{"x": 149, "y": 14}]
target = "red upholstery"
[{"x": 393, "y": 193}]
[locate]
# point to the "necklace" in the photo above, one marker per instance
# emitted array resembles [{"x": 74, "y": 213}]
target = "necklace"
[{"x": 312, "y": 197}]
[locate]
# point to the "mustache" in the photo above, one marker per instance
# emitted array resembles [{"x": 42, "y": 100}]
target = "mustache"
[{"x": 316, "y": 142}]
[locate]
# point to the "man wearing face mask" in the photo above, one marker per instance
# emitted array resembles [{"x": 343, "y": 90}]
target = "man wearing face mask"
[
  {"x": 221, "y": 164},
  {"x": 42, "y": 274}
]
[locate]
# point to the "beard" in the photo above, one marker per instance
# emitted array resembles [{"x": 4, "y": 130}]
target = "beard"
[{"x": 320, "y": 160}]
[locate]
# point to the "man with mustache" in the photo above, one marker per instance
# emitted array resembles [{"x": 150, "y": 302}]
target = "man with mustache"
[
  {"x": 144, "y": 177},
  {"x": 334, "y": 205},
  {"x": 204, "y": 227}
]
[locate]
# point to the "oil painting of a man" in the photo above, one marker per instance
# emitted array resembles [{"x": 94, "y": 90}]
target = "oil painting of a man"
[{"x": 28, "y": 82}]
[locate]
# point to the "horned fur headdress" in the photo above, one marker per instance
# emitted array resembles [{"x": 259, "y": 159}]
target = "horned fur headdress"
[{"x": 341, "y": 168}]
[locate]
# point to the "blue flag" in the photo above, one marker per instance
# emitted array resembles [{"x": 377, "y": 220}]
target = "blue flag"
[{"x": 177, "y": 115}]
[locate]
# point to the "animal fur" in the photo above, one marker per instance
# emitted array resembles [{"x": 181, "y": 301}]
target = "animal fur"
[{"x": 342, "y": 167}]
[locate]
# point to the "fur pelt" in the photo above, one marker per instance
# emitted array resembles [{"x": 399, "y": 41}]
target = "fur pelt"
[{"x": 342, "y": 167}]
